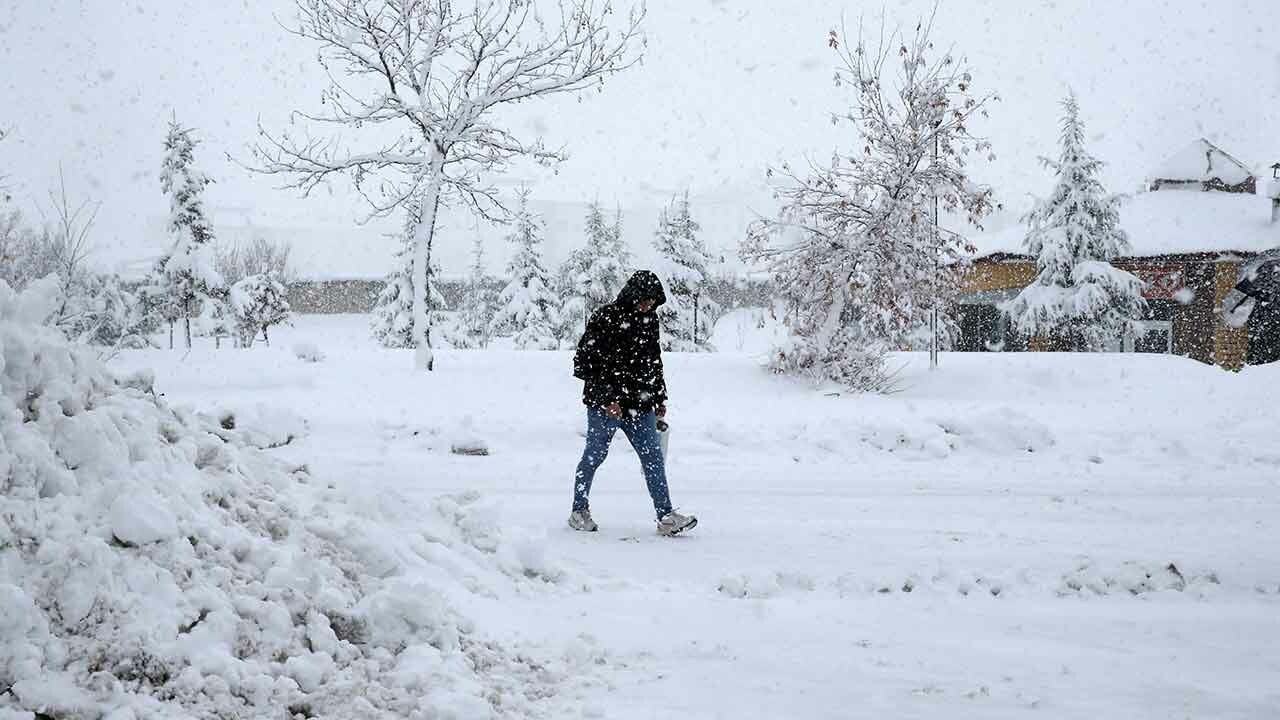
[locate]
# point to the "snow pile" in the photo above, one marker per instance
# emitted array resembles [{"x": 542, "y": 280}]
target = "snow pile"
[
  {"x": 153, "y": 563},
  {"x": 760, "y": 584},
  {"x": 308, "y": 352},
  {"x": 1000, "y": 430}
]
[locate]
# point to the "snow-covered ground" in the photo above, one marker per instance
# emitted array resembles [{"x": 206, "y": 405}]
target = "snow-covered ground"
[{"x": 1084, "y": 535}]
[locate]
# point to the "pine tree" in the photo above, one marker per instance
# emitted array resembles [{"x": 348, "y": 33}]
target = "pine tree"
[
  {"x": 258, "y": 302},
  {"x": 856, "y": 254},
  {"x": 1078, "y": 295},
  {"x": 477, "y": 305},
  {"x": 594, "y": 274},
  {"x": 528, "y": 310},
  {"x": 392, "y": 319},
  {"x": 187, "y": 273},
  {"x": 688, "y": 315}
]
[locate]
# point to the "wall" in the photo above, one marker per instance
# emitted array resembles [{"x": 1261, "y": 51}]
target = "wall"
[{"x": 1198, "y": 330}]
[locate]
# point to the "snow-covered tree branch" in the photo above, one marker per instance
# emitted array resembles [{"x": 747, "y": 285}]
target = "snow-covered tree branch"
[{"x": 431, "y": 75}]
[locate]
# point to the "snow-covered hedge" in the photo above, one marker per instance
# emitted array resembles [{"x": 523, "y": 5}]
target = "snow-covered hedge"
[{"x": 155, "y": 565}]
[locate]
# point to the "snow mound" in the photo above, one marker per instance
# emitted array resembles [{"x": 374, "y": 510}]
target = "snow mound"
[
  {"x": 154, "y": 563},
  {"x": 1000, "y": 430},
  {"x": 466, "y": 440},
  {"x": 757, "y": 585},
  {"x": 307, "y": 352},
  {"x": 260, "y": 426}
]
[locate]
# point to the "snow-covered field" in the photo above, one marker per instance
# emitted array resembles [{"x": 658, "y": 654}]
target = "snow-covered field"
[{"x": 1083, "y": 535}]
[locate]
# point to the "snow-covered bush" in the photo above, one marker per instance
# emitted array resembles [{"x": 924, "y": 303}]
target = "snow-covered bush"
[
  {"x": 528, "y": 311},
  {"x": 1074, "y": 234},
  {"x": 258, "y": 302},
  {"x": 154, "y": 564}
]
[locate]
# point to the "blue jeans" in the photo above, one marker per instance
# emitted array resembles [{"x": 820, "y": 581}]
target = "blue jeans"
[{"x": 642, "y": 431}]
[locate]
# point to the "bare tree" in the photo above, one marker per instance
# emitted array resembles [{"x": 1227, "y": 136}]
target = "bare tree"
[
  {"x": 440, "y": 72},
  {"x": 259, "y": 256}
]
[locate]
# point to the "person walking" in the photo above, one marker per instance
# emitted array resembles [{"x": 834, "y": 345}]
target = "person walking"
[{"x": 619, "y": 361}]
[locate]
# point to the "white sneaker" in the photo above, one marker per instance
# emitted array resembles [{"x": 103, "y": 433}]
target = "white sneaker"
[
  {"x": 673, "y": 523},
  {"x": 581, "y": 520}
]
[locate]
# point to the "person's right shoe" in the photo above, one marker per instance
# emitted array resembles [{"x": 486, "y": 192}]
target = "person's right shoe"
[
  {"x": 581, "y": 520},
  {"x": 673, "y": 523}
]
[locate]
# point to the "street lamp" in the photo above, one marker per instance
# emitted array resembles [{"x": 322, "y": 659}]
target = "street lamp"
[{"x": 1275, "y": 171}]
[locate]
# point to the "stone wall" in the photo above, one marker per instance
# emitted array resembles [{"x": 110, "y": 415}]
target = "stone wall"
[
  {"x": 1230, "y": 345},
  {"x": 325, "y": 297}
]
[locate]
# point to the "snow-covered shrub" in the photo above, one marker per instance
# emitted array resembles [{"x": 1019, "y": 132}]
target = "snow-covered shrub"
[
  {"x": 154, "y": 565},
  {"x": 258, "y": 302}
]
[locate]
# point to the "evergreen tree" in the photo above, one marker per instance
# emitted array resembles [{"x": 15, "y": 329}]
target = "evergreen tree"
[
  {"x": 1074, "y": 234},
  {"x": 187, "y": 273},
  {"x": 683, "y": 264},
  {"x": 392, "y": 318},
  {"x": 258, "y": 302},
  {"x": 477, "y": 305},
  {"x": 594, "y": 274},
  {"x": 528, "y": 310}
]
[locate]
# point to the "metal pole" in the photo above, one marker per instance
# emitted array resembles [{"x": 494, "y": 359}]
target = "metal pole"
[{"x": 937, "y": 237}]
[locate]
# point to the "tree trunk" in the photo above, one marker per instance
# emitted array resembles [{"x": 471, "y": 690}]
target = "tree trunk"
[
  {"x": 695, "y": 321},
  {"x": 171, "y": 335},
  {"x": 265, "y": 338},
  {"x": 422, "y": 356}
]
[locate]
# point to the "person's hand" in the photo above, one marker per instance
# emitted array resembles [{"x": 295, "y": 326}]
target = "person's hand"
[
  {"x": 662, "y": 410},
  {"x": 614, "y": 410}
]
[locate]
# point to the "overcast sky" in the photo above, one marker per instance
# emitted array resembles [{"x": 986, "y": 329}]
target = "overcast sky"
[{"x": 726, "y": 88}]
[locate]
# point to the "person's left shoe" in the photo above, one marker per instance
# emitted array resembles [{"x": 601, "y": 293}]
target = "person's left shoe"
[
  {"x": 581, "y": 521},
  {"x": 673, "y": 523}
]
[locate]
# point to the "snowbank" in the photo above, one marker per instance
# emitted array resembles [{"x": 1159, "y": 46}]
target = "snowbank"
[{"x": 154, "y": 563}]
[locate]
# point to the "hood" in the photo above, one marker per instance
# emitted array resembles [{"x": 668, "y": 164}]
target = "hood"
[{"x": 643, "y": 285}]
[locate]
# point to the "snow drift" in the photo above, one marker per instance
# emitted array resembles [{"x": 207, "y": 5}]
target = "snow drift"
[{"x": 154, "y": 564}]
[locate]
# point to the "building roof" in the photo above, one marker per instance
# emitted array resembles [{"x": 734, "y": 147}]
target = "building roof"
[
  {"x": 1202, "y": 161},
  {"x": 1172, "y": 222}
]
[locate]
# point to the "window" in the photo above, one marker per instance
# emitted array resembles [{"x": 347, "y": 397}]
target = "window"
[{"x": 1154, "y": 336}]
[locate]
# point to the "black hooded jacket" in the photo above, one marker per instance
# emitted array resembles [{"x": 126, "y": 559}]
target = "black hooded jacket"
[{"x": 618, "y": 357}]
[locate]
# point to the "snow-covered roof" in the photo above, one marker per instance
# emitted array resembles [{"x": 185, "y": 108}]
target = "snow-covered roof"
[
  {"x": 1202, "y": 161},
  {"x": 1173, "y": 222}
]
